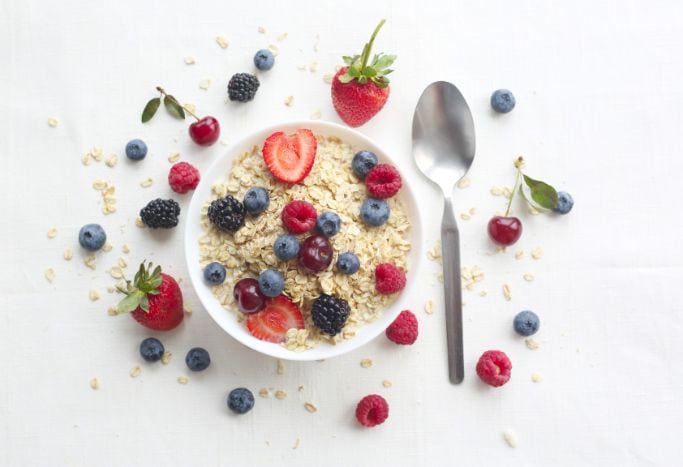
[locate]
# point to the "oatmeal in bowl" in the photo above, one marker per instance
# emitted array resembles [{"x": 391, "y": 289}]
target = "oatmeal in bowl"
[{"x": 302, "y": 241}]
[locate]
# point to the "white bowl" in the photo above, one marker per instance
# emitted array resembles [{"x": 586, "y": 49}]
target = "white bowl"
[{"x": 227, "y": 319}]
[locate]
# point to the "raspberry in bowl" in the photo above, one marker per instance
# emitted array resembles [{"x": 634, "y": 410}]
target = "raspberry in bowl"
[{"x": 313, "y": 217}]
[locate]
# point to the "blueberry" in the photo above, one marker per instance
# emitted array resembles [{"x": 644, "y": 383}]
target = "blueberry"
[
  {"x": 136, "y": 149},
  {"x": 565, "y": 202},
  {"x": 151, "y": 349},
  {"x": 256, "y": 200},
  {"x": 240, "y": 400},
  {"x": 271, "y": 282},
  {"x": 286, "y": 247},
  {"x": 197, "y": 359},
  {"x": 526, "y": 323},
  {"x": 374, "y": 211},
  {"x": 502, "y": 101},
  {"x": 362, "y": 162},
  {"x": 264, "y": 60},
  {"x": 328, "y": 223},
  {"x": 92, "y": 237},
  {"x": 348, "y": 263},
  {"x": 214, "y": 273}
]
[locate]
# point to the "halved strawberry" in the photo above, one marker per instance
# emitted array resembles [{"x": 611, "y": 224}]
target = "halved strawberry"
[
  {"x": 271, "y": 323},
  {"x": 290, "y": 157}
]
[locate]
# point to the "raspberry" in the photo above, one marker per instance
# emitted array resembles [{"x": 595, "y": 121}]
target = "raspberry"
[
  {"x": 494, "y": 368},
  {"x": 183, "y": 177},
  {"x": 299, "y": 217},
  {"x": 372, "y": 410},
  {"x": 383, "y": 181},
  {"x": 389, "y": 279},
  {"x": 404, "y": 329}
]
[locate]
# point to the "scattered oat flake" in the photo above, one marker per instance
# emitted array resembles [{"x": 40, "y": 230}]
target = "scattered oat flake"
[
  {"x": 94, "y": 295},
  {"x": 190, "y": 106},
  {"x": 125, "y": 248},
  {"x": 280, "y": 394},
  {"x": 204, "y": 84},
  {"x": 366, "y": 363},
  {"x": 528, "y": 277},
  {"x": 146, "y": 183},
  {"x": 139, "y": 223},
  {"x": 175, "y": 157},
  {"x": 123, "y": 262},
  {"x": 116, "y": 272},
  {"x": 434, "y": 253},
  {"x": 222, "y": 41},
  {"x": 289, "y": 101},
  {"x": 531, "y": 343},
  {"x": 301, "y": 388},
  {"x": 310, "y": 407},
  {"x": 296, "y": 443},
  {"x": 519, "y": 254},
  {"x": 464, "y": 183},
  {"x": 313, "y": 66},
  {"x": 507, "y": 293},
  {"x": 429, "y": 307},
  {"x": 99, "y": 184},
  {"x": 90, "y": 261},
  {"x": 112, "y": 160},
  {"x": 316, "y": 42},
  {"x": 316, "y": 115},
  {"x": 510, "y": 438},
  {"x": 107, "y": 247},
  {"x": 112, "y": 311},
  {"x": 261, "y": 29},
  {"x": 135, "y": 372},
  {"x": 536, "y": 377},
  {"x": 280, "y": 370},
  {"x": 282, "y": 36},
  {"x": 189, "y": 60},
  {"x": 465, "y": 216},
  {"x": 275, "y": 49},
  {"x": 533, "y": 211},
  {"x": 68, "y": 254},
  {"x": 50, "y": 274},
  {"x": 387, "y": 384},
  {"x": 264, "y": 392},
  {"x": 52, "y": 232},
  {"x": 52, "y": 121},
  {"x": 483, "y": 293},
  {"x": 183, "y": 380},
  {"x": 166, "y": 357},
  {"x": 537, "y": 252},
  {"x": 94, "y": 384},
  {"x": 86, "y": 159}
]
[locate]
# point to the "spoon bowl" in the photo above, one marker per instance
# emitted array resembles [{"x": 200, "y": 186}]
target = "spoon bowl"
[{"x": 443, "y": 149}]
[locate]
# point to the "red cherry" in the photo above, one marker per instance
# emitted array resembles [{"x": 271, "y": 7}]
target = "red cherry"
[
  {"x": 315, "y": 254},
  {"x": 505, "y": 230},
  {"x": 248, "y": 295},
  {"x": 205, "y": 132}
]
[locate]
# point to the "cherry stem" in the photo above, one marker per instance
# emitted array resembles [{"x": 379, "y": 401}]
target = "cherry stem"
[
  {"x": 514, "y": 192},
  {"x": 163, "y": 93}
]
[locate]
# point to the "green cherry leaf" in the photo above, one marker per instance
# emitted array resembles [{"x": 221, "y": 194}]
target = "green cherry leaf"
[
  {"x": 150, "y": 109},
  {"x": 173, "y": 107},
  {"x": 540, "y": 193}
]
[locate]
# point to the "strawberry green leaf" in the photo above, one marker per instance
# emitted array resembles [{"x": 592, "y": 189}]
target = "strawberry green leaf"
[
  {"x": 369, "y": 72},
  {"x": 131, "y": 302},
  {"x": 144, "y": 304},
  {"x": 173, "y": 107},
  {"x": 345, "y": 78},
  {"x": 150, "y": 109},
  {"x": 350, "y": 60},
  {"x": 384, "y": 61},
  {"x": 353, "y": 71},
  {"x": 540, "y": 193}
]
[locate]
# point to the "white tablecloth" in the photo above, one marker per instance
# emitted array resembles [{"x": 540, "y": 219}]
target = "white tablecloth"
[{"x": 599, "y": 113}]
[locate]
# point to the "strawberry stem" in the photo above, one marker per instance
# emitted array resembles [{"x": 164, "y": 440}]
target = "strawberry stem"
[{"x": 368, "y": 47}]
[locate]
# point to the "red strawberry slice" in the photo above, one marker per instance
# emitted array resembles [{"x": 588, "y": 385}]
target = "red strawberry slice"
[
  {"x": 271, "y": 323},
  {"x": 290, "y": 157}
]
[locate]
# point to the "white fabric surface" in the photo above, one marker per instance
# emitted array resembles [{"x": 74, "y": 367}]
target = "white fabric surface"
[{"x": 599, "y": 113}]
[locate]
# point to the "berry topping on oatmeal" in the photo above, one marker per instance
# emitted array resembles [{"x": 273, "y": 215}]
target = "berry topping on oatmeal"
[
  {"x": 330, "y": 314},
  {"x": 315, "y": 254},
  {"x": 374, "y": 212},
  {"x": 389, "y": 279},
  {"x": 226, "y": 213},
  {"x": 271, "y": 323},
  {"x": 299, "y": 217},
  {"x": 271, "y": 282},
  {"x": 286, "y": 247},
  {"x": 290, "y": 157},
  {"x": 248, "y": 295},
  {"x": 328, "y": 223},
  {"x": 383, "y": 181}
]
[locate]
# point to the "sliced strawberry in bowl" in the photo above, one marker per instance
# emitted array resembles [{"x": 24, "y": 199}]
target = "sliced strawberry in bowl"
[
  {"x": 271, "y": 323},
  {"x": 290, "y": 157}
]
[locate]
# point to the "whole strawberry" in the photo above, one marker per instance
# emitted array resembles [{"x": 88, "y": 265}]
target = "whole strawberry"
[
  {"x": 153, "y": 298},
  {"x": 360, "y": 89}
]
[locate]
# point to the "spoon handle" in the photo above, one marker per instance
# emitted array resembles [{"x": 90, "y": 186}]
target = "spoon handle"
[{"x": 450, "y": 252}]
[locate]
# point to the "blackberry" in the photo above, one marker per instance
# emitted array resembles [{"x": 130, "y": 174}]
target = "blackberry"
[
  {"x": 242, "y": 87},
  {"x": 226, "y": 213},
  {"x": 160, "y": 213},
  {"x": 330, "y": 314}
]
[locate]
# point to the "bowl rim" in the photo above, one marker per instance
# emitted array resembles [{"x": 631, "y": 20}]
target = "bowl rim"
[{"x": 219, "y": 314}]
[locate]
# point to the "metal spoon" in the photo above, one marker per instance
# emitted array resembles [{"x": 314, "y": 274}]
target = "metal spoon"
[{"x": 443, "y": 148}]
